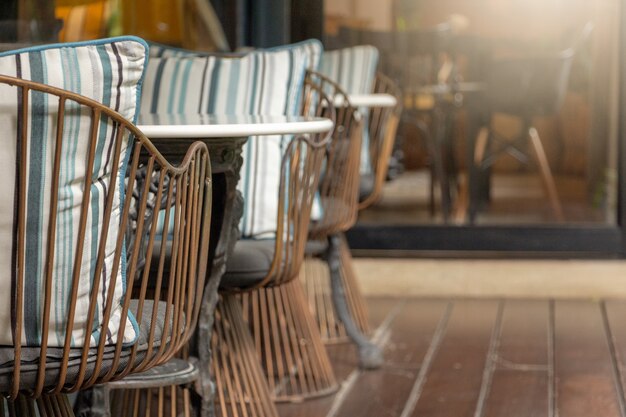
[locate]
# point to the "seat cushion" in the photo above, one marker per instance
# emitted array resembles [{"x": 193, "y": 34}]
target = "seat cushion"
[
  {"x": 249, "y": 263},
  {"x": 354, "y": 69},
  {"x": 262, "y": 82},
  {"x": 315, "y": 247},
  {"x": 109, "y": 71},
  {"x": 30, "y": 355},
  {"x": 313, "y": 49},
  {"x": 366, "y": 186}
]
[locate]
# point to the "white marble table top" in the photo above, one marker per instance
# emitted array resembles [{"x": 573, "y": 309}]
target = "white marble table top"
[
  {"x": 209, "y": 125},
  {"x": 368, "y": 100}
]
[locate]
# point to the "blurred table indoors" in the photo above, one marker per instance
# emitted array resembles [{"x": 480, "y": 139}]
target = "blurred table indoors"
[
  {"x": 201, "y": 126},
  {"x": 368, "y": 100},
  {"x": 442, "y": 71}
]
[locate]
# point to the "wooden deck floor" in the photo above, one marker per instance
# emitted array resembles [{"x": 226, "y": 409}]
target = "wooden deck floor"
[{"x": 484, "y": 358}]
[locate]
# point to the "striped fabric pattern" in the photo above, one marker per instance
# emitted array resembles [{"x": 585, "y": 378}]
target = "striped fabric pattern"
[
  {"x": 159, "y": 50},
  {"x": 109, "y": 71},
  {"x": 354, "y": 69},
  {"x": 312, "y": 48},
  {"x": 262, "y": 82}
]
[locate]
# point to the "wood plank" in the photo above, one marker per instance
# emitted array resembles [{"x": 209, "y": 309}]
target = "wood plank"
[
  {"x": 384, "y": 392},
  {"x": 344, "y": 361},
  {"x": 344, "y": 355},
  {"x": 453, "y": 382},
  {"x": 615, "y": 311},
  {"x": 585, "y": 383},
  {"x": 537, "y": 348},
  {"x": 519, "y": 387},
  {"x": 379, "y": 307}
]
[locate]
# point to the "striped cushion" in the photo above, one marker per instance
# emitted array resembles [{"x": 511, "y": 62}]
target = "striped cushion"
[
  {"x": 109, "y": 71},
  {"x": 262, "y": 82},
  {"x": 312, "y": 47},
  {"x": 354, "y": 69},
  {"x": 159, "y": 50}
]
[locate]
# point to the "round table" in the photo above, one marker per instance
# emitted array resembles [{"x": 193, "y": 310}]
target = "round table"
[
  {"x": 368, "y": 100},
  {"x": 201, "y": 126}
]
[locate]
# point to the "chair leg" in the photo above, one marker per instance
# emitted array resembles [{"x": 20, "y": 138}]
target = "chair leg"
[
  {"x": 288, "y": 342},
  {"x": 461, "y": 205},
  {"x": 241, "y": 386},
  {"x": 437, "y": 171},
  {"x": 315, "y": 278},
  {"x": 46, "y": 406},
  {"x": 370, "y": 355},
  {"x": 546, "y": 174},
  {"x": 478, "y": 188},
  {"x": 481, "y": 145},
  {"x": 437, "y": 150},
  {"x": 354, "y": 297}
]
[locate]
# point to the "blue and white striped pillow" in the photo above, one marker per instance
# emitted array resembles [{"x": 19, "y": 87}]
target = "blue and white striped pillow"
[
  {"x": 354, "y": 69},
  {"x": 312, "y": 47},
  {"x": 262, "y": 82},
  {"x": 159, "y": 50},
  {"x": 109, "y": 71}
]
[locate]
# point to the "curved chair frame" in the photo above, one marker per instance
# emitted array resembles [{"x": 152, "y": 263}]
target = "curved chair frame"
[
  {"x": 300, "y": 168},
  {"x": 250, "y": 388},
  {"x": 241, "y": 385},
  {"x": 339, "y": 185},
  {"x": 349, "y": 315},
  {"x": 184, "y": 189},
  {"x": 383, "y": 126}
]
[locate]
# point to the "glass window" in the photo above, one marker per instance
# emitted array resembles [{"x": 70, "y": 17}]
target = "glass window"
[{"x": 520, "y": 101}]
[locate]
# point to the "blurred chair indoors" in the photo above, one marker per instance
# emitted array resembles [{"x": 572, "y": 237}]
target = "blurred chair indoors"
[{"x": 526, "y": 88}]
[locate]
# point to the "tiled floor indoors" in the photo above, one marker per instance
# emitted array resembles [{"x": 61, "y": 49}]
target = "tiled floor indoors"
[
  {"x": 517, "y": 198},
  {"x": 458, "y": 357}
]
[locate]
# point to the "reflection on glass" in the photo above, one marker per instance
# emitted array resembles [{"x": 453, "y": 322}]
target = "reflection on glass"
[{"x": 510, "y": 108}]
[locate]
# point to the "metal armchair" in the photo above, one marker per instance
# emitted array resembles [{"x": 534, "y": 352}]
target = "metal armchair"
[
  {"x": 349, "y": 315},
  {"x": 383, "y": 127},
  {"x": 260, "y": 273},
  {"x": 35, "y": 377}
]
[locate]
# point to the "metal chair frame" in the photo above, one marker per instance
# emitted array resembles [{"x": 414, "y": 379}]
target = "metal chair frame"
[
  {"x": 348, "y": 318},
  {"x": 184, "y": 190},
  {"x": 251, "y": 389},
  {"x": 383, "y": 127}
]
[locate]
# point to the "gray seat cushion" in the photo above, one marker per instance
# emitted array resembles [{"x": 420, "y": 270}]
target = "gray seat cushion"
[
  {"x": 30, "y": 355},
  {"x": 251, "y": 261},
  {"x": 366, "y": 186},
  {"x": 315, "y": 247},
  {"x": 248, "y": 264}
]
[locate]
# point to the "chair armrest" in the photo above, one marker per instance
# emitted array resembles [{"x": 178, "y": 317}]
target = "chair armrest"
[{"x": 383, "y": 125}]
